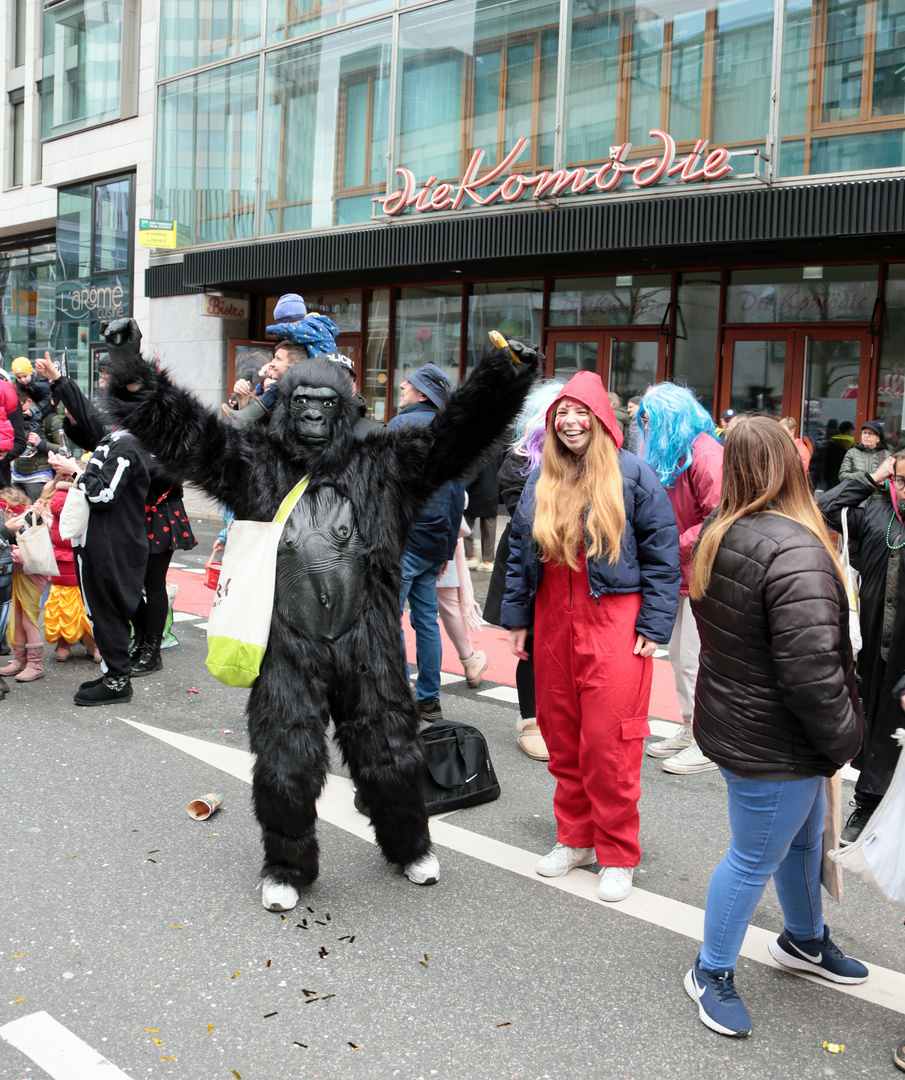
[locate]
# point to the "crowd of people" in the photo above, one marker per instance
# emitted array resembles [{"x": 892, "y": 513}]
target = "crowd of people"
[{"x": 630, "y": 529}]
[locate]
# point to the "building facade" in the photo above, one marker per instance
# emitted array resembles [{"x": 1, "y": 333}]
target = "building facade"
[{"x": 706, "y": 190}]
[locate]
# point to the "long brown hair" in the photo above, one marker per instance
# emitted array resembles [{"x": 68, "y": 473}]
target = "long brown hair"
[
  {"x": 579, "y": 494},
  {"x": 762, "y": 473}
]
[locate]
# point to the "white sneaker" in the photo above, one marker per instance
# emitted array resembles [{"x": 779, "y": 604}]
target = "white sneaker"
[
  {"x": 562, "y": 859},
  {"x": 278, "y": 897},
  {"x": 424, "y": 871},
  {"x": 673, "y": 745},
  {"x": 690, "y": 760},
  {"x": 615, "y": 883}
]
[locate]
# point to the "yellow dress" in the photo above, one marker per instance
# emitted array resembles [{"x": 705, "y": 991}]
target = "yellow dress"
[{"x": 64, "y": 615}]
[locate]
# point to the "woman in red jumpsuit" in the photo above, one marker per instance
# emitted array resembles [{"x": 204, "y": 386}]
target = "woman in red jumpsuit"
[{"x": 594, "y": 568}]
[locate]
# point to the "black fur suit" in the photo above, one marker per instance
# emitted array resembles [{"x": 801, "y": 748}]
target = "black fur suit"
[{"x": 335, "y": 645}]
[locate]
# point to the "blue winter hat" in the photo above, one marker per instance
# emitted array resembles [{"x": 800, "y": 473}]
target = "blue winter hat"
[
  {"x": 432, "y": 382},
  {"x": 290, "y": 308}
]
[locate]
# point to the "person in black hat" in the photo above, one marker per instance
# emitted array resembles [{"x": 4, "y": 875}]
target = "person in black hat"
[
  {"x": 726, "y": 418},
  {"x": 865, "y": 456},
  {"x": 431, "y": 541}
]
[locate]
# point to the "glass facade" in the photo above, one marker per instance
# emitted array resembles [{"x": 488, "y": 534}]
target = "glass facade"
[
  {"x": 27, "y": 302},
  {"x": 802, "y": 294},
  {"x": 82, "y": 65},
  {"x": 697, "y": 333},
  {"x": 375, "y": 86},
  {"x": 625, "y": 300},
  {"x": 891, "y": 382}
]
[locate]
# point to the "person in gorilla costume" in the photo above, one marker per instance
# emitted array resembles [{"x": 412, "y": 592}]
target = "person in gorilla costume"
[{"x": 335, "y": 646}]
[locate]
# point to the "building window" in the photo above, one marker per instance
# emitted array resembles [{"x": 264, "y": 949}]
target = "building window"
[
  {"x": 17, "y": 143},
  {"x": 90, "y": 64},
  {"x": 287, "y": 19},
  {"x": 476, "y": 77},
  {"x": 198, "y": 32},
  {"x": 94, "y": 267},
  {"x": 207, "y": 151},
  {"x": 326, "y": 130},
  {"x": 891, "y": 388},
  {"x": 843, "y": 92},
  {"x": 19, "y": 22},
  {"x": 696, "y": 70},
  {"x": 515, "y": 308},
  {"x": 428, "y": 330},
  {"x": 27, "y": 301}
]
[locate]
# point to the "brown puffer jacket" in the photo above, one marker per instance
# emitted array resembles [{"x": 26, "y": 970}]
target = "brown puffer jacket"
[{"x": 775, "y": 696}]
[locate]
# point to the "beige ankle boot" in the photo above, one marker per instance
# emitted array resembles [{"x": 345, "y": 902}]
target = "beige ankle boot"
[
  {"x": 34, "y": 669},
  {"x": 530, "y": 741},
  {"x": 17, "y": 663}
]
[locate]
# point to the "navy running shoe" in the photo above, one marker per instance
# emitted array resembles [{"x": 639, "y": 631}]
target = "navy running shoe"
[
  {"x": 719, "y": 1005},
  {"x": 819, "y": 956}
]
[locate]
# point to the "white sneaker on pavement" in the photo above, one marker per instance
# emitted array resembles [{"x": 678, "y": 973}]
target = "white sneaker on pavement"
[
  {"x": 278, "y": 897},
  {"x": 424, "y": 871},
  {"x": 615, "y": 883},
  {"x": 690, "y": 760},
  {"x": 675, "y": 744},
  {"x": 562, "y": 859}
]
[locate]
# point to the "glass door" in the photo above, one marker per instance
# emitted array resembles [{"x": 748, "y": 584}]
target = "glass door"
[
  {"x": 571, "y": 352},
  {"x": 627, "y": 360},
  {"x": 634, "y": 363},
  {"x": 756, "y": 369},
  {"x": 830, "y": 383}
]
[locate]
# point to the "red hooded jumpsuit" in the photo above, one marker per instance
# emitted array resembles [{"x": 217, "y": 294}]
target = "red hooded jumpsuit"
[{"x": 593, "y": 693}]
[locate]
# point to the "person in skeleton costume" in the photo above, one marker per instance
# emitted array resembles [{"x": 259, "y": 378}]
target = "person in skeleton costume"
[{"x": 335, "y": 650}]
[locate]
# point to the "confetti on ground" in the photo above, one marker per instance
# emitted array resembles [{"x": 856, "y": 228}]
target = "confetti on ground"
[
  {"x": 16, "y": 1002},
  {"x": 236, "y": 976},
  {"x": 352, "y": 1044},
  {"x": 210, "y": 834},
  {"x": 834, "y": 1048},
  {"x": 319, "y": 923},
  {"x": 226, "y": 731},
  {"x": 152, "y": 1029},
  {"x": 422, "y": 963},
  {"x": 267, "y": 1016},
  {"x": 168, "y": 1059},
  {"x": 154, "y": 851},
  {"x": 159, "y": 1043},
  {"x": 323, "y": 952},
  {"x": 328, "y": 916},
  {"x": 235, "y": 1074},
  {"x": 505, "y": 1023},
  {"x": 311, "y": 909},
  {"x": 304, "y": 1046},
  {"x": 267, "y": 964},
  {"x": 283, "y": 917},
  {"x": 426, "y": 957},
  {"x": 16, "y": 955},
  {"x": 153, "y": 861},
  {"x": 345, "y": 937},
  {"x": 307, "y": 993},
  {"x": 299, "y": 925},
  {"x": 309, "y": 1000},
  {"x": 210, "y": 1028},
  {"x": 173, "y": 926},
  {"x": 192, "y": 690},
  {"x": 68, "y": 857},
  {"x": 327, "y": 997}
]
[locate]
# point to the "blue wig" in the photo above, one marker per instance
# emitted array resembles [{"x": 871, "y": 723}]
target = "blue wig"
[
  {"x": 531, "y": 424},
  {"x": 670, "y": 418}
]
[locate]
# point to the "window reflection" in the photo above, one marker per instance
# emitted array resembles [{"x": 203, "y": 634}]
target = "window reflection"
[{"x": 428, "y": 331}]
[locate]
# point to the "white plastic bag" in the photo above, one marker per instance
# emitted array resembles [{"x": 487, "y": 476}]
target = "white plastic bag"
[
  {"x": 877, "y": 857},
  {"x": 852, "y": 580}
]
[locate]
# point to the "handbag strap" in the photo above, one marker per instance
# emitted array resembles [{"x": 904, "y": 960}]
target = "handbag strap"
[
  {"x": 845, "y": 525},
  {"x": 291, "y": 499}
]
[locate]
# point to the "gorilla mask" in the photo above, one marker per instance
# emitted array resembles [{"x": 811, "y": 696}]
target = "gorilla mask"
[{"x": 314, "y": 411}]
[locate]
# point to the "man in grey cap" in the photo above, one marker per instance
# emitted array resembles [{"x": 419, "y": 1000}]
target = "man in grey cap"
[{"x": 431, "y": 540}]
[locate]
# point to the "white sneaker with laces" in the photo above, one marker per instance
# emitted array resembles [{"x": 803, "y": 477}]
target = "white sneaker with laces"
[
  {"x": 615, "y": 883},
  {"x": 675, "y": 744},
  {"x": 424, "y": 871},
  {"x": 562, "y": 859},
  {"x": 690, "y": 760},
  {"x": 278, "y": 897}
]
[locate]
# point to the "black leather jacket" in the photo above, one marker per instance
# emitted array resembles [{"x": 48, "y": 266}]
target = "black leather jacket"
[{"x": 776, "y": 696}]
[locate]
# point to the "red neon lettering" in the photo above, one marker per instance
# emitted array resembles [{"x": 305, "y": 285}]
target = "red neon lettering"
[
  {"x": 440, "y": 199},
  {"x": 510, "y": 195},
  {"x": 617, "y": 166},
  {"x": 397, "y": 202},
  {"x": 716, "y": 164},
  {"x": 469, "y": 183},
  {"x": 658, "y": 166},
  {"x": 419, "y": 200},
  {"x": 686, "y": 167}
]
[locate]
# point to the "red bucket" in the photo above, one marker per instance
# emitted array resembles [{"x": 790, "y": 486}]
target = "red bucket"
[{"x": 212, "y": 574}]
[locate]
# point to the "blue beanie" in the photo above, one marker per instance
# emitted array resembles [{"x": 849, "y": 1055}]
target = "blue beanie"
[{"x": 290, "y": 308}]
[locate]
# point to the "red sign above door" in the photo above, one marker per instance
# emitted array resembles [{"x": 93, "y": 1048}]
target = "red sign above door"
[{"x": 606, "y": 177}]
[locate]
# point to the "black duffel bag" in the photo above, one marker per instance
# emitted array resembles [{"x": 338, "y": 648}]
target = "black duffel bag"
[{"x": 457, "y": 768}]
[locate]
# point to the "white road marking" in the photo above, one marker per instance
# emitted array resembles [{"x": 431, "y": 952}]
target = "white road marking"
[
  {"x": 57, "y": 1051},
  {"x": 192, "y": 569},
  {"x": 185, "y": 616},
  {"x": 446, "y": 677},
  {"x": 884, "y": 987},
  {"x": 177, "y": 566},
  {"x": 201, "y": 625},
  {"x": 501, "y": 693}
]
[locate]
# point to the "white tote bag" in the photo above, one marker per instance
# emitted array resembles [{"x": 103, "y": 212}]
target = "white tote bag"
[
  {"x": 239, "y": 625},
  {"x": 877, "y": 857},
  {"x": 37, "y": 549},
  {"x": 852, "y": 584},
  {"x": 74, "y": 515}
]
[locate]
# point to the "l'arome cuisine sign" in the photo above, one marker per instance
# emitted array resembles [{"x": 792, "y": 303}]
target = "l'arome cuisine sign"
[{"x": 690, "y": 169}]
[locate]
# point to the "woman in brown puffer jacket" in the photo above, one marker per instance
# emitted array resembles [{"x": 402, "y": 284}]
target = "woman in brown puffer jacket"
[{"x": 775, "y": 708}]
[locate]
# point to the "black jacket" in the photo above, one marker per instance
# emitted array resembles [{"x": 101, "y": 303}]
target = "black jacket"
[{"x": 775, "y": 697}]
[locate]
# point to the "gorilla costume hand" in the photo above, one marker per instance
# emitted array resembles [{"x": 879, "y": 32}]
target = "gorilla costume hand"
[{"x": 335, "y": 649}]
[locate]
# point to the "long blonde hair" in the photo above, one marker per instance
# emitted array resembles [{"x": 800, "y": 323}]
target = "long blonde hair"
[
  {"x": 762, "y": 473},
  {"x": 578, "y": 495}
]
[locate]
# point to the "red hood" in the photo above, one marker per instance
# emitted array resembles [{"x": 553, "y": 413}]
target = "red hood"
[{"x": 587, "y": 388}]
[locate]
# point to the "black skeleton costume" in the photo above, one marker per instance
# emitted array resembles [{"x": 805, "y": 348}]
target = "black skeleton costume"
[{"x": 335, "y": 648}]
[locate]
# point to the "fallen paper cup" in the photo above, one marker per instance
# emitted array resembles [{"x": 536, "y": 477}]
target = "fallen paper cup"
[{"x": 201, "y": 809}]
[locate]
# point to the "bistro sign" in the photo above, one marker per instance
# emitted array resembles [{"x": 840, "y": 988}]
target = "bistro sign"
[{"x": 691, "y": 168}]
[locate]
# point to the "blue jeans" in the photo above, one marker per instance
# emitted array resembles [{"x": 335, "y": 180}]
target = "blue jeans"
[
  {"x": 777, "y": 831},
  {"x": 419, "y": 584}
]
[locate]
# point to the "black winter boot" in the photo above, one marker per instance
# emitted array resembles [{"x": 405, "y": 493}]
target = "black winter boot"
[
  {"x": 136, "y": 645},
  {"x": 109, "y": 690},
  {"x": 149, "y": 660}
]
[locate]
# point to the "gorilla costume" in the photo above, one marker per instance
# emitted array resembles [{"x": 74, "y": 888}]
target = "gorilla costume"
[{"x": 335, "y": 646}]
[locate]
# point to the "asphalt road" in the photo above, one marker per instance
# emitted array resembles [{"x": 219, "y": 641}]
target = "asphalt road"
[{"x": 140, "y": 931}]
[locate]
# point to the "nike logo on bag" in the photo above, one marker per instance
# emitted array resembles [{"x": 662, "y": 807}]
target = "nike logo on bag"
[{"x": 814, "y": 959}]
